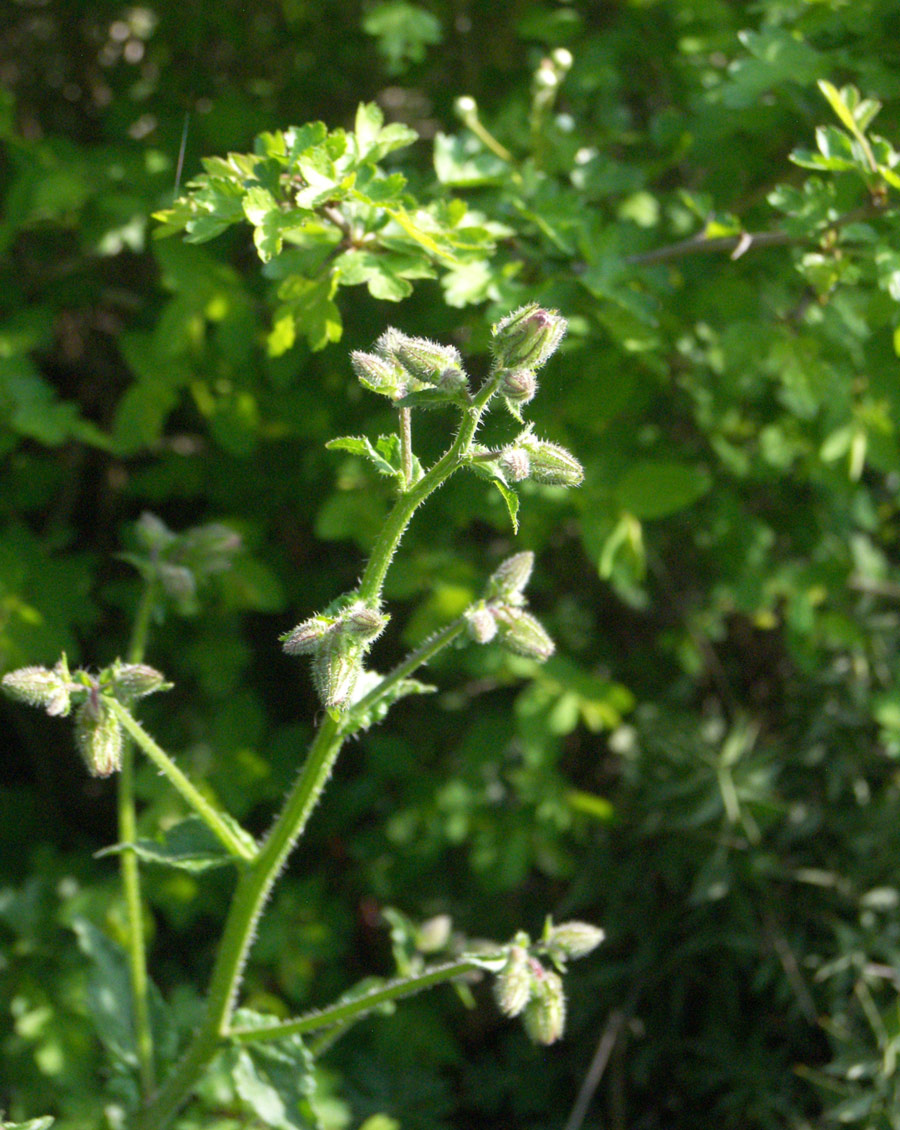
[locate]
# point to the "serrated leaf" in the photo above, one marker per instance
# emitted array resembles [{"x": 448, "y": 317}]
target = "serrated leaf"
[
  {"x": 360, "y": 445},
  {"x": 187, "y": 846}
]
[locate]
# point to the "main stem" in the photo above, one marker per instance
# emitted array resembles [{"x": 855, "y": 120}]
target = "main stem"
[
  {"x": 130, "y": 875},
  {"x": 257, "y": 878}
]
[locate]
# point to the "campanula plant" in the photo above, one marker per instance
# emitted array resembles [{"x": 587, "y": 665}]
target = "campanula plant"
[{"x": 270, "y": 1060}]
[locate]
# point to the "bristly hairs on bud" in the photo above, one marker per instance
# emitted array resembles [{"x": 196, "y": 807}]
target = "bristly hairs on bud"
[
  {"x": 545, "y": 1014},
  {"x": 38, "y": 686},
  {"x": 521, "y": 633},
  {"x": 550, "y": 463},
  {"x": 570, "y": 940},
  {"x": 527, "y": 337},
  {"x": 98, "y": 735},
  {"x": 510, "y": 579},
  {"x": 513, "y": 984}
]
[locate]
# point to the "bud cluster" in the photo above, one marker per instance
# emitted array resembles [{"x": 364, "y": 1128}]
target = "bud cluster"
[
  {"x": 98, "y": 734},
  {"x": 402, "y": 365},
  {"x": 181, "y": 563},
  {"x": 501, "y": 613},
  {"x": 522, "y": 342},
  {"x": 337, "y": 641},
  {"x": 525, "y": 987},
  {"x": 528, "y": 457}
]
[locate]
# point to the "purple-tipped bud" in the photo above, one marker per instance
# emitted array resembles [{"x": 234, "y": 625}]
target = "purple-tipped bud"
[
  {"x": 522, "y": 633},
  {"x": 480, "y": 624},
  {"x": 573, "y": 939},
  {"x": 551, "y": 463},
  {"x": 305, "y": 638},
  {"x": 513, "y": 984},
  {"x": 38, "y": 686},
  {"x": 509, "y": 580},
  {"x": 363, "y": 623},
  {"x": 518, "y": 385},
  {"x": 336, "y": 667},
  {"x": 526, "y": 338},
  {"x": 515, "y": 463},
  {"x": 379, "y": 374},
  {"x": 135, "y": 680},
  {"x": 98, "y": 736},
  {"x": 545, "y": 1014}
]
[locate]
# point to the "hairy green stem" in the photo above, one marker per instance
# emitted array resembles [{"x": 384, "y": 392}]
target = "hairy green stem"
[
  {"x": 347, "y": 1011},
  {"x": 255, "y": 881},
  {"x": 128, "y": 869},
  {"x": 210, "y": 816},
  {"x": 406, "y": 454}
]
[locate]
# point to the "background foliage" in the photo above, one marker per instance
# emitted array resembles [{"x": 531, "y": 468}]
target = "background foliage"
[{"x": 708, "y": 767}]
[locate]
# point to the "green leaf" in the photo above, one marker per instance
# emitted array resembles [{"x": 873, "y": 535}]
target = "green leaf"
[
  {"x": 512, "y": 502},
  {"x": 274, "y": 1077},
  {"x": 403, "y": 32},
  {"x": 653, "y": 489},
  {"x": 108, "y": 992},
  {"x": 34, "y": 1124},
  {"x": 360, "y": 445},
  {"x": 187, "y": 846},
  {"x": 307, "y": 304}
]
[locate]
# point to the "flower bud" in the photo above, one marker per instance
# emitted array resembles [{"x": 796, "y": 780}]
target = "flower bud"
[
  {"x": 177, "y": 581},
  {"x": 522, "y": 633},
  {"x": 135, "y": 680},
  {"x": 551, "y": 463},
  {"x": 305, "y": 638},
  {"x": 509, "y": 580},
  {"x": 153, "y": 533},
  {"x": 514, "y": 463},
  {"x": 434, "y": 933},
  {"x": 545, "y": 1014},
  {"x": 98, "y": 736},
  {"x": 573, "y": 939},
  {"x": 336, "y": 667},
  {"x": 38, "y": 686},
  {"x": 526, "y": 338},
  {"x": 427, "y": 361},
  {"x": 363, "y": 623},
  {"x": 518, "y": 385},
  {"x": 513, "y": 984},
  {"x": 379, "y": 374},
  {"x": 480, "y": 624}
]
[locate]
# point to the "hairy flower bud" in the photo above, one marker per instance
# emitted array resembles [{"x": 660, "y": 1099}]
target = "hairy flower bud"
[
  {"x": 509, "y": 580},
  {"x": 550, "y": 463},
  {"x": 304, "y": 639},
  {"x": 427, "y": 361},
  {"x": 136, "y": 680},
  {"x": 480, "y": 624},
  {"x": 522, "y": 633},
  {"x": 513, "y": 984},
  {"x": 379, "y": 374},
  {"x": 38, "y": 686},
  {"x": 518, "y": 385},
  {"x": 98, "y": 736},
  {"x": 527, "y": 337},
  {"x": 363, "y": 623},
  {"x": 515, "y": 463},
  {"x": 573, "y": 939},
  {"x": 545, "y": 1014},
  {"x": 336, "y": 667}
]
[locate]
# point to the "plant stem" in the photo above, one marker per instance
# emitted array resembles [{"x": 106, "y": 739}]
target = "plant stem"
[
  {"x": 219, "y": 827},
  {"x": 406, "y": 445},
  {"x": 255, "y": 881},
  {"x": 345, "y": 1011},
  {"x": 128, "y": 869}
]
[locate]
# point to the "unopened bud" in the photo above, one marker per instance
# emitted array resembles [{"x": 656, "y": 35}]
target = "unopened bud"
[
  {"x": 551, "y": 463},
  {"x": 526, "y": 338},
  {"x": 427, "y": 361},
  {"x": 379, "y": 374},
  {"x": 509, "y": 580},
  {"x": 574, "y": 939},
  {"x": 480, "y": 624},
  {"x": 518, "y": 385},
  {"x": 153, "y": 533},
  {"x": 336, "y": 667},
  {"x": 514, "y": 463},
  {"x": 98, "y": 736},
  {"x": 545, "y": 1014},
  {"x": 513, "y": 984},
  {"x": 135, "y": 680},
  {"x": 304, "y": 639},
  {"x": 522, "y": 633},
  {"x": 363, "y": 623},
  {"x": 434, "y": 933},
  {"x": 38, "y": 686},
  {"x": 177, "y": 581}
]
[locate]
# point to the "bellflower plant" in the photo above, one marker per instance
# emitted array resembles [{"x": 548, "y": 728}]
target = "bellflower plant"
[{"x": 271, "y": 1060}]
